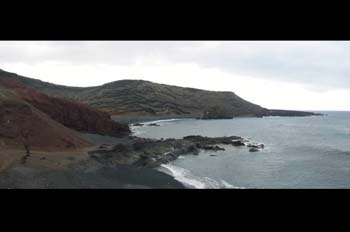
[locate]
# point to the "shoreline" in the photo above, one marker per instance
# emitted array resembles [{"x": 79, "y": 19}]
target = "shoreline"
[
  {"x": 157, "y": 154},
  {"x": 140, "y": 119},
  {"x": 127, "y": 162},
  {"x": 77, "y": 170},
  {"x": 144, "y": 119},
  {"x": 118, "y": 177}
]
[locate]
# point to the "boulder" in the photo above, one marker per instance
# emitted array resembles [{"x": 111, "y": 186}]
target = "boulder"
[
  {"x": 213, "y": 148},
  {"x": 217, "y": 148},
  {"x": 260, "y": 146},
  {"x": 137, "y": 124},
  {"x": 237, "y": 143}
]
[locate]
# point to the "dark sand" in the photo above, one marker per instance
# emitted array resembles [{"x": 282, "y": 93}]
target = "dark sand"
[
  {"x": 119, "y": 177},
  {"x": 76, "y": 170}
]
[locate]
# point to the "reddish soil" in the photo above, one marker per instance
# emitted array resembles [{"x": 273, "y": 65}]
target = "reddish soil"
[
  {"x": 28, "y": 117},
  {"x": 22, "y": 124},
  {"x": 74, "y": 115}
]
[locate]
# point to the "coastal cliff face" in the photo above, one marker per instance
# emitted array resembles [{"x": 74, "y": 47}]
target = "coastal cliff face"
[
  {"x": 291, "y": 113},
  {"x": 21, "y": 125},
  {"x": 136, "y": 98},
  {"x": 75, "y": 115},
  {"x": 132, "y": 98},
  {"x": 30, "y": 117}
]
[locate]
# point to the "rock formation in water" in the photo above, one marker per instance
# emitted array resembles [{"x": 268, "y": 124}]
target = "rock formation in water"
[{"x": 144, "y": 152}]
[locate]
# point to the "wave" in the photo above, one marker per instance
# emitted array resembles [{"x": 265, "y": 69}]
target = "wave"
[
  {"x": 162, "y": 121},
  {"x": 136, "y": 131},
  {"x": 271, "y": 117},
  {"x": 191, "y": 181}
]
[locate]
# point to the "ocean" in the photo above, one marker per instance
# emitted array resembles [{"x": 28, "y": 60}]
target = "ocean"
[{"x": 300, "y": 152}]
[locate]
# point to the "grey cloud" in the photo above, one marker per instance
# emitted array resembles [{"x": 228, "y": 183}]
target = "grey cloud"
[
  {"x": 324, "y": 64},
  {"x": 321, "y": 65}
]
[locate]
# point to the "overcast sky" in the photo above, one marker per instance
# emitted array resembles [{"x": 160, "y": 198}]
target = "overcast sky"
[{"x": 300, "y": 75}]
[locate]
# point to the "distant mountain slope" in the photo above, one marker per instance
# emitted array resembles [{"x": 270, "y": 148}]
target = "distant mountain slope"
[
  {"x": 144, "y": 98},
  {"x": 132, "y": 98},
  {"x": 291, "y": 113}
]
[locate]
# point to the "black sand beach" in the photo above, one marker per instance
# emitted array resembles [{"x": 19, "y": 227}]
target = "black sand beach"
[
  {"x": 119, "y": 177},
  {"x": 79, "y": 171}
]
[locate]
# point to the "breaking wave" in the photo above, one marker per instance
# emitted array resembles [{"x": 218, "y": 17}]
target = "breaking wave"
[{"x": 191, "y": 181}]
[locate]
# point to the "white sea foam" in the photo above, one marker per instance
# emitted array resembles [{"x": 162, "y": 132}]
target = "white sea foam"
[
  {"x": 136, "y": 131},
  {"x": 162, "y": 121},
  {"x": 184, "y": 176},
  {"x": 272, "y": 117},
  {"x": 230, "y": 186},
  {"x": 190, "y": 180}
]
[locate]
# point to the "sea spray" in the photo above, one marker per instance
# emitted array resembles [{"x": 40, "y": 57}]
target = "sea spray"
[{"x": 192, "y": 181}]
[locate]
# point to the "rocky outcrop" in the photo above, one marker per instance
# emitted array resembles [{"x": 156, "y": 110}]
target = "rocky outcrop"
[
  {"x": 223, "y": 112},
  {"x": 292, "y": 113},
  {"x": 256, "y": 145},
  {"x": 152, "y": 153},
  {"x": 201, "y": 141},
  {"x": 213, "y": 148},
  {"x": 137, "y": 124},
  {"x": 153, "y": 124},
  {"x": 217, "y": 112}
]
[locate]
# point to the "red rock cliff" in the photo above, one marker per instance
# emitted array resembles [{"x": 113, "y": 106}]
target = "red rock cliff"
[{"x": 71, "y": 114}]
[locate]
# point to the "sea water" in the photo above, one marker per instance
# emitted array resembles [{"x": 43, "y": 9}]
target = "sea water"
[{"x": 300, "y": 152}]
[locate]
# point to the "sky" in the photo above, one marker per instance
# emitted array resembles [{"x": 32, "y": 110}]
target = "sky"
[{"x": 294, "y": 75}]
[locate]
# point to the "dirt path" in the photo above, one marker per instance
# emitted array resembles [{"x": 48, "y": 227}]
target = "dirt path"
[{"x": 8, "y": 158}]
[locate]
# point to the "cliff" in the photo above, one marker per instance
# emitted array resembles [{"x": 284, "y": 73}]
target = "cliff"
[
  {"x": 135, "y": 98},
  {"x": 21, "y": 125},
  {"x": 30, "y": 117}
]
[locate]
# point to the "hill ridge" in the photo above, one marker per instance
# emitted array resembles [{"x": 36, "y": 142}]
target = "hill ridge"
[
  {"x": 30, "y": 117},
  {"x": 133, "y": 98}
]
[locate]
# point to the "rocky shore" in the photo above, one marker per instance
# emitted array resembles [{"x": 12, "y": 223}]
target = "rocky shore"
[
  {"x": 139, "y": 121},
  {"x": 124, "y": 162},
  {"x": 151, "y": 153}
]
